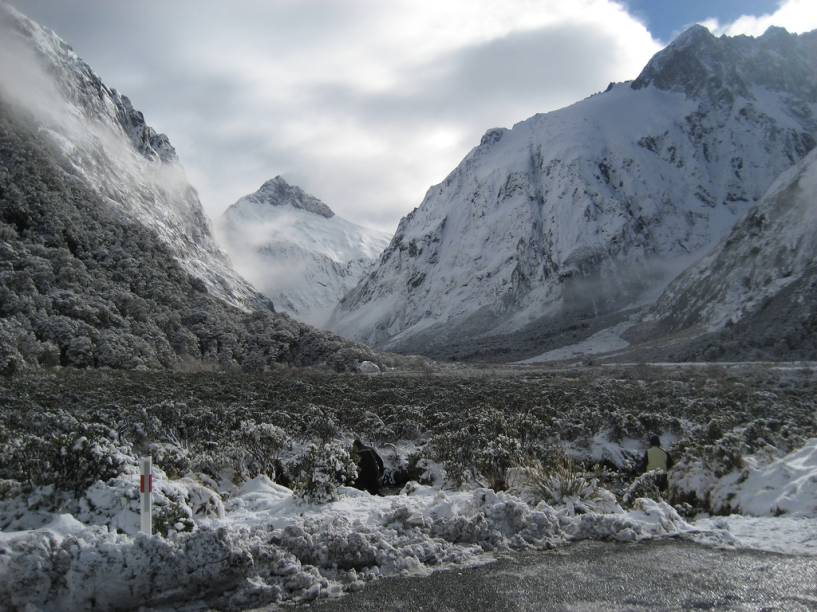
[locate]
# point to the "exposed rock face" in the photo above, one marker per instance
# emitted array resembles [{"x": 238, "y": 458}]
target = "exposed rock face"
[
  {"x": 593, "y": 208},
  {"x": 277, "y": 192},
  {"x": 758, "y": 288},
  {"x": 724, "y": 69},
  {"x": 296, "y": 251}
]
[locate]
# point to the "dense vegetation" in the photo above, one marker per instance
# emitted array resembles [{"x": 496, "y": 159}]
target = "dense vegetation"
[
  {"x": 83, "y": 286},
  {"x": 476, "y": 423}
]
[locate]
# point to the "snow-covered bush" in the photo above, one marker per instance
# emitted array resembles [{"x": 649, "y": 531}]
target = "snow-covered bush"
[
  {"x": 455, "y": 450},
  {"x": 322, "y": 470},
  {"x": 172, "y": 517},
  {"x": 319, "y": 423},
  {"x": 648, "y": 485},
  {"x": 495, "y": 458},
  {"x": 404, "y": 421},
  {"x": 71, "y": 461},
  {"x": 559, "y": 483},
  {"x": 171, "y": 458},
  {"x": 725, "y": 454},
  {"x": 485, "y": 440},
  {"x": 262, "y": 444},
  {"x": 623, "y": 425}
]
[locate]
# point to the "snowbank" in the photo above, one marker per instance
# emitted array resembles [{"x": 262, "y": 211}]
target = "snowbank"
[
  {"x": 762, "y": 486},
  {"x": 267, "y": 546},
  {"x": 787, "y": 485}
]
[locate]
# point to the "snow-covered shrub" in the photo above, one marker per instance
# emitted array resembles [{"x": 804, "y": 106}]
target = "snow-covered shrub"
[
  {"x": 559, "y": 483},
  {"x": 172, "y": 516},
  {"x": 9, "y": 488},
  {"x": 624, "y": 425},
  {"x": 726, "y": 454},
  {"x": 494, "y": 459},
  {"x": 322, "y": 470},
  {"x": 319, "y": 423},
  {"x": 784, "y": 437},
  {"x": 484, "y": 439},
  {"x": 174, "y": 460},
  {"x": 455, "y": 450},
  {"x": 649, "y": 485},
  {"x": 403, "y": 420},
  {"x": 262, "y": 444},
  {"x": 72, "y": 461}
]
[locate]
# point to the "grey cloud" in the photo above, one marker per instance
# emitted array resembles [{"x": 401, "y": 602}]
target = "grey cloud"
[
  {"x": 512, "y": 78},
  {"x": 231, "y": 138}
]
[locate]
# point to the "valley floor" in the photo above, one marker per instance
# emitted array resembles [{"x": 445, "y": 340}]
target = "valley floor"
[{"x": 253, "y": 505}]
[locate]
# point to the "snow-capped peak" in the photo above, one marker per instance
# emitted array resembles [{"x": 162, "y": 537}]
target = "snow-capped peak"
[
  {"x": 724, "y": 67},
  {"x": 593, "y": 208},
  {"x": 277, "y": 192},
  {"x": 296, "y": 250}
]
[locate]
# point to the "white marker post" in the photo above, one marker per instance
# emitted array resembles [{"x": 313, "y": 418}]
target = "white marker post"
[{"x": 146, "y": 488}]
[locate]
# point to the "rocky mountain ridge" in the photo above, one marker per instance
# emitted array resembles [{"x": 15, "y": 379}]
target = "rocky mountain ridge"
[
  {"x": 590, "y": 210},
  {"x": 755, "y": 294}
]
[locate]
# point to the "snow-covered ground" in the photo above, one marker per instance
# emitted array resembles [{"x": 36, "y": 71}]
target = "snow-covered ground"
[
  {"x": 240, "y": 540},
  {"x": 773, "y": 365},
  {"x": 264, "y": 544},
  {"x": 781, "y": 534},
  {"x": 268, "y": 546},
  {"x": 605, "y": 341},
  {"x": 764, "y": 485}
]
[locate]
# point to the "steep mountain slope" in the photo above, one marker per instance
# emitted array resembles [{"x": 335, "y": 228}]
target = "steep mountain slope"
[
  {"x": 296, "y": 250},
  {"x": 758, "y": 288},
  {"x": 111, "y": 147},
  {"x": 580, "y": 213},
  {"x": 106, "y": 258}
]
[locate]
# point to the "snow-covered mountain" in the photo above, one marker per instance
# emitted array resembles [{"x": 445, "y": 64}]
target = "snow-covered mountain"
[
  {"x": 595, "y": 207},
  {"x": 106, "y": 257},
  {"x": 110, "y": 146},
  {"x": 296, "y": 250},
  {"x": 758, "y": 288}
]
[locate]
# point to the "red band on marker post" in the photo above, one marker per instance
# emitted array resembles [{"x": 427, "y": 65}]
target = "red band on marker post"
[
  {"x": 145, "y": 491},
  {"x": 142, "y": 483}
]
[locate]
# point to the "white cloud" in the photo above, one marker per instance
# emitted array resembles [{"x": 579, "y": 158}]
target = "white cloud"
[
  {"x": 365, "y": 103},
  {"x": 795, "y": 15}
]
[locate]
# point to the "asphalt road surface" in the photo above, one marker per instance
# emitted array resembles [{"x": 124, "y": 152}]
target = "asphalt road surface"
[{"x": 666, "y": 575}]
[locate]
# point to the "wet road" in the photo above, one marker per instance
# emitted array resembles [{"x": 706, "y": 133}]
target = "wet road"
[{"x": 665, "y": 575}]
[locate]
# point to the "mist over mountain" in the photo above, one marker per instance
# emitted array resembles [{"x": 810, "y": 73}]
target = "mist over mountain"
[
  {"x": 107, "y": 256},
  {"x": 296, "y": 251},
  {"x": 571, "y": 218}
]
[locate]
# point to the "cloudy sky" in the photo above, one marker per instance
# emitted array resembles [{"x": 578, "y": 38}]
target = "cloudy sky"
[{"x": 366, "y": 103}]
